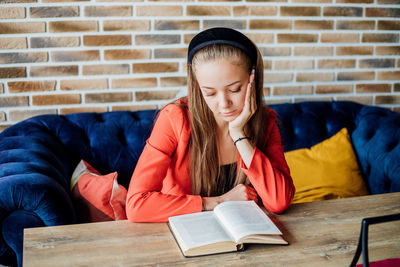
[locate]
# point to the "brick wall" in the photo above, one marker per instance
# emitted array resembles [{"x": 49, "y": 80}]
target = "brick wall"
[{"x": 63, "y": 56}]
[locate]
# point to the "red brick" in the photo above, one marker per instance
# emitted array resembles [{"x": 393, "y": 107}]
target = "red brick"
[
  {"x": 43, "y": 71},
  {"x": 31, "y": 86},
  {"x": 334, "y": 89},
  {"x": 17, "y": 72},
  {"x": 70, "y": 56},
  {"x": 134, "y": 83},
  {"x": 105, "y": 69},
  {"x": 73, "y": 26},
  {"x": 373, "y": 88},
  {"x": 84, "y": 84},
  {"x": 125, "y": 54},
  {"x": 154, "y": 67},
  {"x": 106, "y": 40},
  {"x": 32, "y": 57},
  {"x": 108, "y": 97},
  {"x": 22, "y": 27},
  {"x": 108, "y": 11},
  {"x": 50, "y": 100}
]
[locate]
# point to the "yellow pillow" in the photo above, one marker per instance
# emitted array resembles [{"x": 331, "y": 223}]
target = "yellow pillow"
[{"x": 327, "y": 170}]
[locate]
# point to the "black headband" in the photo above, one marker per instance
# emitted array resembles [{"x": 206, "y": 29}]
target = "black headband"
[{"x": 222, "y": 36}]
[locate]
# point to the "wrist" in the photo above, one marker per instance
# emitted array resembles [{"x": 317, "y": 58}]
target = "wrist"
[{"x": 236, "y": 135}]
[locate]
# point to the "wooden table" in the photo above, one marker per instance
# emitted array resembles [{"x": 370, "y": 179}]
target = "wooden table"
[{"x": 320, "y": 234}]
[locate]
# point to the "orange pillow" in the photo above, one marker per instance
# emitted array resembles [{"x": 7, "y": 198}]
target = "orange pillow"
[{"x": 97, "y": 197}]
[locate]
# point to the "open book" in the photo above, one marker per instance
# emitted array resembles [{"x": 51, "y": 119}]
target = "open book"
[{"x": 225, "y": 229}]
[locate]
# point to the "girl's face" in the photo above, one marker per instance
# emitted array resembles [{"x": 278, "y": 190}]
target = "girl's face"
[{"x": 223, "y": 86}]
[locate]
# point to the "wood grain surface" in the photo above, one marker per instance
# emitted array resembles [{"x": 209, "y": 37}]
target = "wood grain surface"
[{"x": 321, "y": 233}]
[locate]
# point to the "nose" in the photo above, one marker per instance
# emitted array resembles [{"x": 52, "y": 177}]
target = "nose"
[{"x": 224, "y": 100}]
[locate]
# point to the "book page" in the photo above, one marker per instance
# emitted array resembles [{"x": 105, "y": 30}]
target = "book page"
[
  {"x": 244, "y": 218},
  {"x": 198, "y": 229}
]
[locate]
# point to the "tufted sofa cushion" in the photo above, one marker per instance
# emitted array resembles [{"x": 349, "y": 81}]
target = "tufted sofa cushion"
[{"x": 38, "y": 156}]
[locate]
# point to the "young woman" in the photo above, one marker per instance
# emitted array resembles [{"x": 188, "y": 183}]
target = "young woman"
[{"x": 218, "y": 144}]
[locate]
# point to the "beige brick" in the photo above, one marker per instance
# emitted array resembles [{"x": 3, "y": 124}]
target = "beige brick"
[
  {"x": 342, "y": 11},
  {"x": 292, "y": 90},
  {"x": 394, "y": 109},
  {"x": 43, "y": 71},
  {"x": 65, "y": 111},
  {"x": 355, "y": 25},
  {"x": 299, "y": 11},
  {"x": 387, "y": 99},
  {"x": 277, "y": 101},
  {"x": 239, "y": 11},
  {"x": 32, "y": 57},
  {"x": 354, "y": 1},
  {"x": 177, "y": 25},
  {"x": 22, "y": 27},
  {"x": 313, "y": 25},
  {"x": 377, "y": 63},
  {"x": 83, "y": 84},
  {"x": 170, "y": 53},
  {"x": 387, "y": 50},
  {"x": 134, "y": 107},
  {"x": 108, "y": 97},
  {"x": 261, "y": 38},
  {"x": 334, "y": 89},
  {"x": 270, "y": 24},
  {"x": 13, "y": 43},
  {"x": 310, "y": 98},
  {"x": 315, "y": 77},
  {"x": 293, "y": 64},
  {"x": 263, "y": 10},
  {"x": 4, "y": 126},
  {"x": 155, "y": 39},
  {"x": 336, "y": 63},
  {"x": 13, "y": 101},
  {"x": 373, "y": 88},
  {"x": 154, "y": 67},
  {"x": 356, "y": 75},
  {"x": 380, "y": 38},
  {"x": 173, "y": 81},
  {"x": 353, "y": 50},
  {"x": 396, "y": 87},
  {"x": 297, "y": 38},
  {"x": 54, "y": 11},
  {"x": 62, "y": 1},
  {"x": 106, "y": 40},
  {"x": 235, "y": 24},
  {"x": 365, "y": 100},
  {"x": 108, "y": 11},
  {"x": 31, "y": 86},
  {"x": 133, "y": 83},
  {"x": 208, "y": 10},
  {"x": 105, "y": 69},
  {"x": 73, "y": 26},
  {"x": 389, "y": 75},
  {"x": 155, "y": 95},
  {"x": 275, "y": 51},
  {"x": 1, "y": 88},
  {"x": 126, "y": 54},
  {"x": 19, "y": 115},
  {"x": 44, "y": 42},
  {"x": 313, "y": 51},
  {"x": 50, "y": 100},
  {"x": 383, "y": 12},
  {"x": 162, "y": 10},
  {"x": 126, "y": 25},
  {"x": 271, "y": 77},
  {"x": 267, "y": 91},
  {"x": 312, "y": 1},
  {"x": 339, "y": 37},
  {"x": 188, "y": 37},
  {"x": 70, "y": 56},
  {"x": 267, "y": 64},
  {"x": 2, "y": 116},
  {"x": 7, "y": 73},
  {"x": 12, "y": 12},
  {"x": 18, "y": 1},
  {"x": 389, "y": 25}
]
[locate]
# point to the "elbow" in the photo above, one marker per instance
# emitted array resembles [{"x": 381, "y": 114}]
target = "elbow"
[
  {"x": 279, "y": 204},
  {"x": 133, "y": 211}
]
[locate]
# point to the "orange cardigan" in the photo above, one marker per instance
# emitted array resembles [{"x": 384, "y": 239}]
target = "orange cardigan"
[{"x": 160, "y": 186}]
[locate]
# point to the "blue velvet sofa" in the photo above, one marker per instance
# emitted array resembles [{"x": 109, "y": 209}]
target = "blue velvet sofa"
[{"x": 38, "y": 156}]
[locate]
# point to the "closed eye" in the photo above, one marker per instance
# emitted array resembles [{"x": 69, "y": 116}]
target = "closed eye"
[{"x": 236, "y": 90}]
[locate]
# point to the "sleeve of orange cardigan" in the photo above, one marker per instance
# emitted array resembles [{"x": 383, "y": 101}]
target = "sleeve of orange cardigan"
[
  {"x": 145, "y": 202},
  {"x": 269, "y": 174}
]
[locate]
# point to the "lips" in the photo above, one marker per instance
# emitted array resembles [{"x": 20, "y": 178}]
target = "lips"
[{"x": 228, "y": 114}]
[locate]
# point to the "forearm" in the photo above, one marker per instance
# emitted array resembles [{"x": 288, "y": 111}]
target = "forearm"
[{"x": 244, "y": 147}]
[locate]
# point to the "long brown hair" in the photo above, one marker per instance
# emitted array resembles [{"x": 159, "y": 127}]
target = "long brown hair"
[{"x": 204, "y": 160}]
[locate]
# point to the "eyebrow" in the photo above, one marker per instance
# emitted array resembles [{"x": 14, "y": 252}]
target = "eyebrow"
[{"x": 207, "y": 87}]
